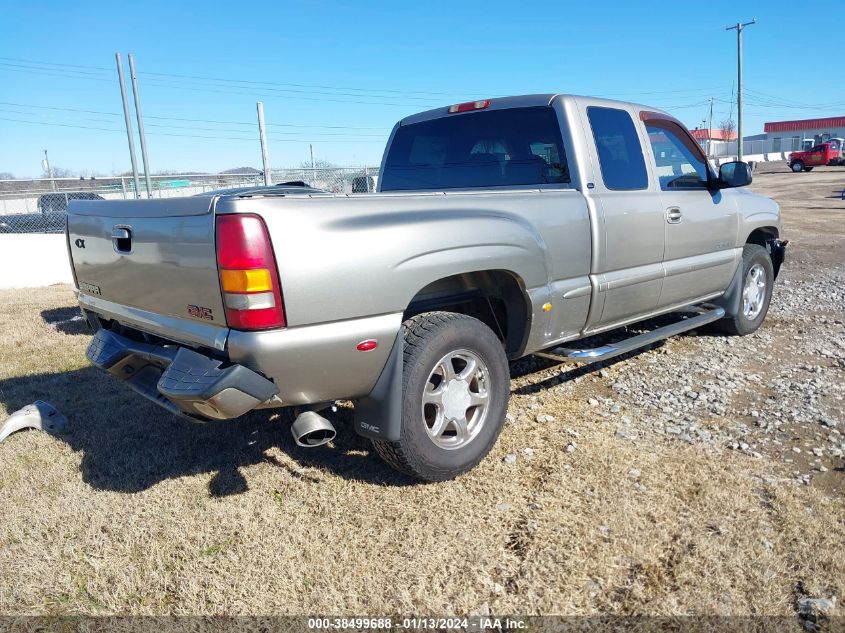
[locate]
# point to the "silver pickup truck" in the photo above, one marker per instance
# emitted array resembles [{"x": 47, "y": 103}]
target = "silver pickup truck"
[{"x": 500, "y": 228}]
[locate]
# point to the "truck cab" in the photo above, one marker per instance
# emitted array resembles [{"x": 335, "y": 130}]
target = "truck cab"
[{"x": 828, "y": 153}]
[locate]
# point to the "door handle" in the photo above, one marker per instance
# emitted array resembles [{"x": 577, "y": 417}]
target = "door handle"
[
  {"x": 674, "y": 215},
  {"x": 120, "y": 233}
]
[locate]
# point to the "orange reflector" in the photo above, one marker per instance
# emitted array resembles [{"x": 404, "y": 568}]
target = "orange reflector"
[{"x": 256, "y": 280}]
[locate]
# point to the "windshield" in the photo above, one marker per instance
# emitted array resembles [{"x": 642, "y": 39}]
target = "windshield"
[{"x": 516, "y": 146}]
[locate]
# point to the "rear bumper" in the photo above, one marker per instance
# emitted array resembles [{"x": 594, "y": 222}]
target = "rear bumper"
[
  {"x": 181, "y": 380},
  {"x": 308, "y": 364}
]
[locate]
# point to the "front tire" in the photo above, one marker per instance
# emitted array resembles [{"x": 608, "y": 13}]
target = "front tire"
[
  {"x": 455, "y": 390},
  {"x": 758, "y": 280},
  {"x": 797, "y": 166}
]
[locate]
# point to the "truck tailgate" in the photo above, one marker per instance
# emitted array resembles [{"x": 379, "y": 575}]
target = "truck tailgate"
[{"x": 154, "y": 255}]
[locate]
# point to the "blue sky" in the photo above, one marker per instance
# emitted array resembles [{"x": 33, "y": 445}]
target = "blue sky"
[{"x": 338, "y": 75}]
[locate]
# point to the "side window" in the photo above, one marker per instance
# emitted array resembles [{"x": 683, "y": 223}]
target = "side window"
[
  {"x": 678, "y": 164},
  {"x": 619, "y": 149}
]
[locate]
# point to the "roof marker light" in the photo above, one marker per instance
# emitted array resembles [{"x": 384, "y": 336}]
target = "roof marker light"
[{"x": 469, "y": 106}]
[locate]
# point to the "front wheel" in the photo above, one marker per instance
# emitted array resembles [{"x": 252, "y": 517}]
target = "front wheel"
[
  {"x": 758, "y": 280},
  {"x": 797, "y": 166},
  {"x": 455, "y": 388}
]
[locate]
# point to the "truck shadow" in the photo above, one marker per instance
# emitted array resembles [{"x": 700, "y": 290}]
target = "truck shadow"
[
  {"x": 67, "y": 320},
  {"x": 129, "y": 445}
]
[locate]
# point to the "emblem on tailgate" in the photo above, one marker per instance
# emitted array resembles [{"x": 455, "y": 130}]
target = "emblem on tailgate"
[
  {"x": 80, "y": 243},
  {"x": 91, "y": 289},
  {"x": 200, "y": 312}
]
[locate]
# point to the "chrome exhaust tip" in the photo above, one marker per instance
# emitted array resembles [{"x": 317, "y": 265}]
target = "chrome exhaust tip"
[{"x": 312, "y": 429}]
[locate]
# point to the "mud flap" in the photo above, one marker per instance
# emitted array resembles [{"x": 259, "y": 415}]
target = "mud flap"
[
  {"x": 777, "y": 251},
  {"x": 731, "y": 301},
  {"x": 379, "y": 414}
]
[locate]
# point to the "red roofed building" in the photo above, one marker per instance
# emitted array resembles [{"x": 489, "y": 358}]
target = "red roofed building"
[
  {"x": 805, "y": 124},
  {"x": 792, "y": 135}
]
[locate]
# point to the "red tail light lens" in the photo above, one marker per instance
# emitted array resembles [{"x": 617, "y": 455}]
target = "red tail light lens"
[{"x": 249, "y": 279}]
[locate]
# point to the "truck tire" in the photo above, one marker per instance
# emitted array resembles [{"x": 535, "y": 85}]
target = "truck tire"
[
  {"x": 455, "y": 390},
  {"x": 797, "y": 166},
  {"x": 758, "y": 280}
]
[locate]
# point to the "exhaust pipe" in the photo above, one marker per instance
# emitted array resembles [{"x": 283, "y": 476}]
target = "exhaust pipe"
[{"x": 312, "y": 429}]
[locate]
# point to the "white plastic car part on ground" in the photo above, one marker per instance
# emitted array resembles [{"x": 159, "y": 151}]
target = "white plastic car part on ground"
[{"x": 39, "y": 415}]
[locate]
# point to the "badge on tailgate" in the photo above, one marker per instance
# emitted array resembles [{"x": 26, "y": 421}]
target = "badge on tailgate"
[
  {"x": 200, "y": 312},
  {"x": 91, "y": 289}
]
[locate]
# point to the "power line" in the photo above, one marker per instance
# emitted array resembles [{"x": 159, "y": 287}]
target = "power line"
[
  {"x": 30, "y": 61},
  {"x": 315, "y": 88},
  {"x": 231, "y": 138},
  {"x": 191, "y": 120}
]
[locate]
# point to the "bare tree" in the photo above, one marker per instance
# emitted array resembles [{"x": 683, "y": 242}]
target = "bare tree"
[
  {"x": 59, "y": 172},
  {"x": 728, "y": 129},
  {"x": 319, "y": 163}
]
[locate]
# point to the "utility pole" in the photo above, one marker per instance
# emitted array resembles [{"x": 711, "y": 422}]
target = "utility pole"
[
  {"x": 140, "y": 116},
  {"x": 739, "y": 26},
  {"x": 265, "y": 157},
  {"x": 710, "y": 118},
  {"x": 128, "y": 120},
  {"x": 710, "y": 128},
  {"x": 46, "y": 165}
]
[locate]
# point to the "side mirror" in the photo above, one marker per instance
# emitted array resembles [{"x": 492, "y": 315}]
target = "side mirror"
[{"x": 734, "y": 174}]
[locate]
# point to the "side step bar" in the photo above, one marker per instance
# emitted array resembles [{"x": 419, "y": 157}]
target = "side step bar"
[{"x": 597, "y": 354}]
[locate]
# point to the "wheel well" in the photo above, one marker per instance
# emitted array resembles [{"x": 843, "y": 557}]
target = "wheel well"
[
  {"x": 495, "y": 297},
  {"x": 762, "y": 236},
  {"x": 767, "y": 238}
]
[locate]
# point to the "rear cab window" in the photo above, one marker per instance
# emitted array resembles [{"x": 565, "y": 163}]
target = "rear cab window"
[
  {"x": 619, "y": 150},
  {"x": 491, "y": 148}
]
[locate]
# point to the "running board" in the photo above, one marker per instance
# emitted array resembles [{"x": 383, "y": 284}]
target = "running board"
[{"x": 597, "y": 354}]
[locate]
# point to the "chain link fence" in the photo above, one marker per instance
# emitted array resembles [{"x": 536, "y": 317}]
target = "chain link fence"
[{"x": 40, "y": 205}]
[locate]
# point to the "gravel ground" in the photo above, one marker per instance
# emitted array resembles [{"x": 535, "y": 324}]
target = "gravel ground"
[{"x": 779, "y": 392}]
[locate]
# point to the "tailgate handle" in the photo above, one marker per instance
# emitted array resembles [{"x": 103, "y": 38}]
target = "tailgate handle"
[{"x": 121, "y": 237}]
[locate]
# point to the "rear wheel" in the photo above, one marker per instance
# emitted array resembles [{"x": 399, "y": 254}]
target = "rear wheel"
[
  {"x": 797, "y": 166},
  {"x": 455, "y": 387},
  {"x": 758, "y": 279}
]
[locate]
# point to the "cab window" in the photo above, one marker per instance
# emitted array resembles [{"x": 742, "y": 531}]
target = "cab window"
[
  {"x": 619, "y": 149},
  {"x": 679, "y": 163},
  {"x": 491, "y": 148}
]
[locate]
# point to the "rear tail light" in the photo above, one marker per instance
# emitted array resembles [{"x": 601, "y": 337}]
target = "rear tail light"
[
  {"x": 469, "y": 106},
  {"x": 248, "y": 275}
]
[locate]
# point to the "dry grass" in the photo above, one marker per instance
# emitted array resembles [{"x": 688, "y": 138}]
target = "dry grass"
[{"x": 135, "y": 512}]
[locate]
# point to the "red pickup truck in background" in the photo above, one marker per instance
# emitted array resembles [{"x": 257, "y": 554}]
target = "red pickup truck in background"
[{"x": 828, "y": 153}]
